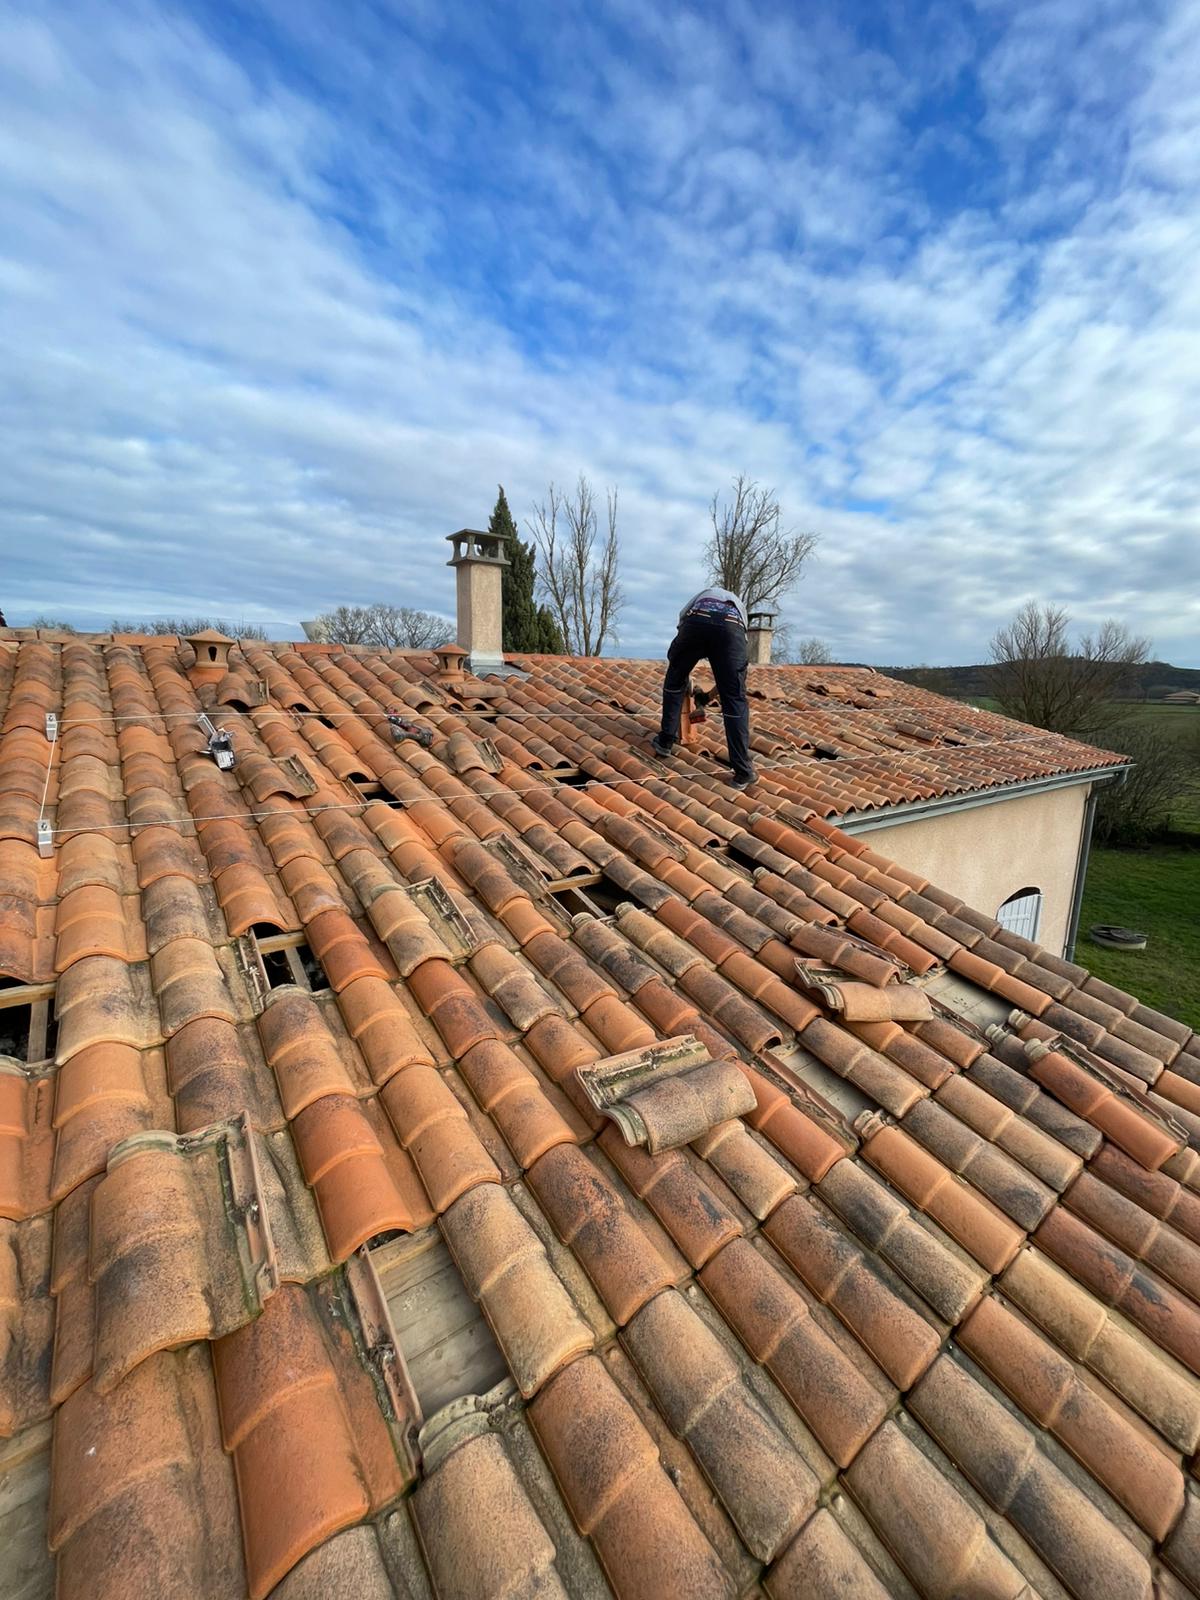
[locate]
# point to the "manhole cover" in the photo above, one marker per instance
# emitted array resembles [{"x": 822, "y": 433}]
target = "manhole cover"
[{"x": 1117, "y": 938}]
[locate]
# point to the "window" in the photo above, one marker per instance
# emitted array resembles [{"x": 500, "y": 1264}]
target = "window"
[{"x": 1021, "y": 913}]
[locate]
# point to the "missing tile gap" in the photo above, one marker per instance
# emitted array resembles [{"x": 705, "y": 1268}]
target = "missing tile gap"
[{"x": 28, "y": 1032}]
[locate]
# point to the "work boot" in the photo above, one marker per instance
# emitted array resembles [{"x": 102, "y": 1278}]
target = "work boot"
[
  {"x": 660, "y": 747},
  {"x": 744, "y": 780}
]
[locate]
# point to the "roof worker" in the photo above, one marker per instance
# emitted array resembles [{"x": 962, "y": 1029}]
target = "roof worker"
[{"x": 712, "y": 628}]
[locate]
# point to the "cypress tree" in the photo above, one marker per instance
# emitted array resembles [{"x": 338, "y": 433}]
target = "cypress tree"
[{"x": 527, "y": 626}]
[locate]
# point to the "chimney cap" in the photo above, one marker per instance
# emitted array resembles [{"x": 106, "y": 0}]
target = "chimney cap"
[
  {"x": 762, "y": 619},
  {"x": 473, "y": 544},
  {"x": 208, "y": 636}
]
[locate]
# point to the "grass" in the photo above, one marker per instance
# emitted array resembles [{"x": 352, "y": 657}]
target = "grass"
[
  {"x": 1155, "y": 888},
  {"x": 1173, "y": 722}
]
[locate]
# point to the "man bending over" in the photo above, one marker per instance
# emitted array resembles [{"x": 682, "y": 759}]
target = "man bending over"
[{"x": 712, "y": 628}]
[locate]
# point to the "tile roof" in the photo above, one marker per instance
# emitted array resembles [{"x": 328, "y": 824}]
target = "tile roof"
[{"x": 919, "y": 1313}]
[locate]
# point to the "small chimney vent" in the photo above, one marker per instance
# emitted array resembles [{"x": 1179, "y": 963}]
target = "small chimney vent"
[{"x": 760, "y": 634}]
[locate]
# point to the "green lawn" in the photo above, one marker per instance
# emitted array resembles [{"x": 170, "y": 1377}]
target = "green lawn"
[
  {"x": 1175, "y": 722},
  {"x": 1156, "y": 889}
]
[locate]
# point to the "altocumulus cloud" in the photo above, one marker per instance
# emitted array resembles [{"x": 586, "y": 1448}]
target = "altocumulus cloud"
[{"x": 291, "y": 287}]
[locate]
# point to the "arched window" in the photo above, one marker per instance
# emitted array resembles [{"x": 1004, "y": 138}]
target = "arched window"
[{"x": 1021, "y": 913}]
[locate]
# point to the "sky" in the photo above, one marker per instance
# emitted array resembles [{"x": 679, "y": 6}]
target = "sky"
[{"x": 289, "y": 288}]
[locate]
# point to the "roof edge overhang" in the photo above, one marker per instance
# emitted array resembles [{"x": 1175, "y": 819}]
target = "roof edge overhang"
[{"x": 941, "y": 805}]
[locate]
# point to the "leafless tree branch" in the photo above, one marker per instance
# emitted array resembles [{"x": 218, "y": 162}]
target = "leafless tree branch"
[
  {"x": 386, "y": 627},
  {"x": 1038, "y": 676},
  {"x": 750, "y": 552},
  {"x": 578, "y": 571}
]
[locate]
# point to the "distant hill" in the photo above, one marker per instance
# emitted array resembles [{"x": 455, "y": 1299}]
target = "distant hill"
[{"x": 1154, "y": 681}]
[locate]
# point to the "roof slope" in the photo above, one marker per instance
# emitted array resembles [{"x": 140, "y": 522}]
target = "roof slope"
[
  {"x": 924, "y": 1317},
  {"x": 838, "y": 739}
]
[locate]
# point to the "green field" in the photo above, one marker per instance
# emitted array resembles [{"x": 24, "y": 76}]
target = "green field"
[
  {"x": 1174, "y": 722},
  {"x": 1155, "y": 888}
]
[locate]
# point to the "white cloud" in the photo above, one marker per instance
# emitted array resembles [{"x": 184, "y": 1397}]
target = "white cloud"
[{"x": 284, "y": 317}]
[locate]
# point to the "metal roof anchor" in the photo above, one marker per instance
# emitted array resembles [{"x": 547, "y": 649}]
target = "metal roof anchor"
[
  {"x": 220, "y": 745},
  {"x": 52, "y": 726},
  {"x": 45, "y": 837}
]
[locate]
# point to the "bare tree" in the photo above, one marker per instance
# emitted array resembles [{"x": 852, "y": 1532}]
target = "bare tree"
[
  {"x": 50, "y": 625},
  {"x": 185, "y": 625},
  {"x": 578, "y": 570},
  {"x": 788, "y": 650},
  {"x": 1039, "y": 676},
  {"x": 751, "y": 553},
  {"x": 1140, "y": 807},
  {"x": 385, "y": 627}
]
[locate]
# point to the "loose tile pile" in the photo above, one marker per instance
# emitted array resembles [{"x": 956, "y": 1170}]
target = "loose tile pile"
[{"x": 942, "y": 1343}]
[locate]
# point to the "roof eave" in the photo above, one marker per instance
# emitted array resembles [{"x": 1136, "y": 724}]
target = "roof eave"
[{"x": 941, "y": 805}]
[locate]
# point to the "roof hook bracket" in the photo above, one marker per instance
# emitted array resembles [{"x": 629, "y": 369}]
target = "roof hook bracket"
[
  {"x": 45, "y": 837},
  {"x": 52, "y": 726},
  {"x": 220, "y": 745}
]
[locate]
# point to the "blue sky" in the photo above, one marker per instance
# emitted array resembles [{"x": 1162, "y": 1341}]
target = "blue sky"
[{"x": 291, "y": 287}]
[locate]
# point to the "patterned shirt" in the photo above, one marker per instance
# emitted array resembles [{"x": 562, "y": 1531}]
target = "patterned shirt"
[{"x": 717, "y": 603}]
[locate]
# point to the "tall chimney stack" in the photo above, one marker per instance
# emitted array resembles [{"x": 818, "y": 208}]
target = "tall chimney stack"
[
  {"x": 759, "y": 635},
  {"x": 480, "y": 561}
]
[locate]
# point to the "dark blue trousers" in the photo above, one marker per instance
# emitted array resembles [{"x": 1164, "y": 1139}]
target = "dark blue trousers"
[{"x": 723, "y": 645}]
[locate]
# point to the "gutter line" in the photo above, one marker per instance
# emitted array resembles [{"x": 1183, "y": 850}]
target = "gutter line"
[
  {"x": 1081, "y": 867},
  {"x": 855, "y": 822}
]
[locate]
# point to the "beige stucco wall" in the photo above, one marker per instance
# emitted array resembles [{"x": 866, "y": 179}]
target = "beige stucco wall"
[{"x": 989, "y": 852}]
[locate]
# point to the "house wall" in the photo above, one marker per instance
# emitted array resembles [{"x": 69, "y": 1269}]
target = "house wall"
[{"x": 985, "y": 854}]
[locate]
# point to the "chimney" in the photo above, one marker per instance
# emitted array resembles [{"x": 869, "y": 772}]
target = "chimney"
[
  {"x": 480, "y": 560},
  {"x": 759, "y": 634}
]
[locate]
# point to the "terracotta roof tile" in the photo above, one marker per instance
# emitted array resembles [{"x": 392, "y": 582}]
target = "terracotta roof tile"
[
  {"x": 821, "y": 1562},
  {"x": 106, "y": 1093},
  {"x": 480, "y": 1533},
  {"x": 846, "y": 1279},
  {"x": 360, "y": 1191},
  {"x": 1049, "y": 1389},
  {"x": 142, "y": 1495},
  {"x": 950, "y": 1283},
  {"x": 1117, "y": 1279},
  {"x": 1155, "y": 1192},
  {"x": 753, "y": 1174},
  {"x": 589, "y": 1215},
  {"x": 1182, "y": 1549},
  {"x": 170, "y": 1256},
  {"x": 441, "y": 1065},
  {"x": 380, "y": 1025},
  {"x": 298, "y": 1407},
  {"x": 26, "y": 1324},
  {"x": 451, "y": 1005},
  {"x": 1008, "y": 1185},
  {"x": 999, "y": 1124},
  {"x": 831, "y": 1392},
  {"x": 887, "y": 1085},
  {"x": 998, "y": 1454},
  {"x": 433, "y": 1128},
  {"x": 515, "y": 1100},
  {"x": 765, "y": 1484},
  {"x": 26, "y": 1142},
  {"x": 937, "y": 1537},
  {"x": 301, "y": 1049},
  {"x": 1126, "y": 1224},
  {"x": 608, "y": 1470},
  {"x": 1089, "y": 1332},
  {"x": 212, "y": 1075},
  {"x": 506, "y": 1268},
  {"x": 97, "y": 1002},
  {"x": 190, "y": 983},
  {"x": 687, "y": 1207}
]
